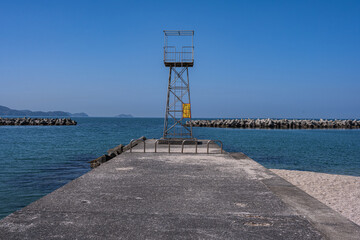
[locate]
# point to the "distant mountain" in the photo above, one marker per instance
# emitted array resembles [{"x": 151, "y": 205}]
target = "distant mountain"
[
  {"x": 79, "y": 114},
  {"x": 5, "y": 111},
  {"x": 124, "y": 116}
]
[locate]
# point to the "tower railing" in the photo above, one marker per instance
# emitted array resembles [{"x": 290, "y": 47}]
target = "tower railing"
[{"x": 185, "y": 55}]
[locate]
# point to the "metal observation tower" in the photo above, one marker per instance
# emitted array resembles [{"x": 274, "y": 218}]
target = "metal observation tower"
[{"x": 178, "y": 56}]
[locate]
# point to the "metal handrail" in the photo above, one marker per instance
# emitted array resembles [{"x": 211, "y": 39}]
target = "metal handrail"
[
  {"x": 182, "y": 145},
  {"x": 132, "y": 140},
  {"x": 156, "y": 142},
  {"x": 214, "y": 141}
]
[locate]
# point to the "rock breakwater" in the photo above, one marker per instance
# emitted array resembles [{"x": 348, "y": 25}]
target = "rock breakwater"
[
  {"x": 277, "y": 123},
  {"x": 36, "y": 122}
]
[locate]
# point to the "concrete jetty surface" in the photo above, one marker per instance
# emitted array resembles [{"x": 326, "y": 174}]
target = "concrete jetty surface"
[{"x": 178, "y": 196}]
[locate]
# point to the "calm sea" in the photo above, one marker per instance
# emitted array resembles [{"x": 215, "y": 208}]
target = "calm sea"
[{"x": 36, "y": 160}]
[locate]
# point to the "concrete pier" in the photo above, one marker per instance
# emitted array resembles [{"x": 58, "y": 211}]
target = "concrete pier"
[{"x": 178, "y": 195}]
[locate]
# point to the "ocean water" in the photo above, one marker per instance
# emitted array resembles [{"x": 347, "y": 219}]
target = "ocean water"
[{"x": 36, "y": 160}]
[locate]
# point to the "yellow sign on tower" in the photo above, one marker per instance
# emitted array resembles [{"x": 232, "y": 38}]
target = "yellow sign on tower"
[{"x": 186, "y": 110}]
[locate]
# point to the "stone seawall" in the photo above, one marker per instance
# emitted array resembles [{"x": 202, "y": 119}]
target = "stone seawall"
[
  {"x": 36, "y": 122},
  {"x": 114, "y": 152},
  {"x": 277, "y": 123}
]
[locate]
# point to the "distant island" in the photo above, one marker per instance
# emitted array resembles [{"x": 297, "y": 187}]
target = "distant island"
[
  {"x": 5, "y": 111},
  {"x": 124, "y": 116}
]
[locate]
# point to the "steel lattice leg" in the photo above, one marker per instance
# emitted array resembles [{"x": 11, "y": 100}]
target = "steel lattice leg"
[{"x": 178, "y": 99}]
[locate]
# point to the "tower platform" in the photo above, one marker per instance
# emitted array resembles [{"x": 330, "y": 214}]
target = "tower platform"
[
  {"x": 179, "y": 64},
  {"x": 178, "y": 196}
]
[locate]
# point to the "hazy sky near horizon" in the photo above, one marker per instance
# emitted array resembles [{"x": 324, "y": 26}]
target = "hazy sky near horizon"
[{"x": 295, "y": 59}]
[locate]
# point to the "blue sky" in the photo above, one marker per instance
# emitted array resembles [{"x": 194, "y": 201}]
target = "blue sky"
[{"x": 295, "y": 59}]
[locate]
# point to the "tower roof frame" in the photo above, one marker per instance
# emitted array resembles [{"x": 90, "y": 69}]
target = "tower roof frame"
[{"x": 179, "y": 32}]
